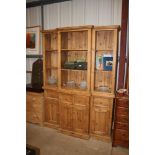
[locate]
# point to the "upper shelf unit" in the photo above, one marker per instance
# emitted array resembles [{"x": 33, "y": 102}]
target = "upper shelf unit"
[
  {"x": 50, "y": 52},
  {"x": 74, "y": 52},
  {"x": 104, "y": 45}
]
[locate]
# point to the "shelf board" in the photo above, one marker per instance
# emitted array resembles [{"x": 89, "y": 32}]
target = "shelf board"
[
  {"x": 51, "y": 50},
  {"x": 72, "y": 70},
  {"x": 34, "y": 56},
  {"x": 104, "y": 50},
  {"x": 48, "y": 86},
  {"x": 74, "y": 49},
  {"x": 74, "y": 88},
  {"x": 102, "y": 71},
  {"x": 51, "y": 67}
]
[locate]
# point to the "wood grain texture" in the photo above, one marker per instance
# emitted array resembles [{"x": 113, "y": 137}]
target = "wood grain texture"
[
  {"x": 34, "y": 107},
  {"x": 121, "y": 122},
  {"x": 101, "y": 117}
]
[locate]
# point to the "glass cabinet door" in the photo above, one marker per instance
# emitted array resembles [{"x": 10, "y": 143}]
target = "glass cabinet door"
[
  {"x": 51, "y": 59},
  {"x": 103, "y": 67}
]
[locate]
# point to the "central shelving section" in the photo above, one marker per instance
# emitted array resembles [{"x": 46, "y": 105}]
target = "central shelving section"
[{"x": 74, "y": 52}]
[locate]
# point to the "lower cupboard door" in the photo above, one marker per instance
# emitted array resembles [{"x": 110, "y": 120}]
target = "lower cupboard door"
[
  {"x": 100, "y": 121},
  {"x": 52, "y": 111},
  {"x": 80, "y": 119},
  {"x": 66, "y": 116}
]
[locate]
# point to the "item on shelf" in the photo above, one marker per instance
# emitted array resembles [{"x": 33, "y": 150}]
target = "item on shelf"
[
  {"x": 122, "y": 92},
  {"x": 83, "y": 84},
  {"x": 70, "y": 84},
  {"x": 52, "y": 80},
  {"x": 81, "y": 65},
  {"x": 107, "y": 62},
  {"x": 99, "y": 63},
  {"x": 103, "y": 88},
  {"x": 69, "y": 65}
]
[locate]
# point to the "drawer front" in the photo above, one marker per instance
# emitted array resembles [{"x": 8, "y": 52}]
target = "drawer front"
[
  {"x": 122, "y": 111},
  {"x": 35, "y": 107},
  {"x": 98, "y": 101},
  {"x": 51, "y": 94},
  {"x": 123, "y": 126},
  {"x": 122, "y": 103},
  {"x": 66, "y": 98},
  {"x": 81, "y": 100},
  {"x": 121, "y": 135},
  {"x": 122, "y": 118}
]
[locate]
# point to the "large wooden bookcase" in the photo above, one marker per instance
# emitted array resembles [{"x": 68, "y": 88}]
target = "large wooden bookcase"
[{"x": 73, "y": 102}]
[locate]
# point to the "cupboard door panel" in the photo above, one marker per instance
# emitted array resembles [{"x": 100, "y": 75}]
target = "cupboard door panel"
[
  {"x": 101, "y": 113},
  {"x": 51, "y": 94},
  {"x": 100, "y": 118},
  {"x": 66, "y": 116},
  {"x": 66, "y": 98},
  {"x": 80, "y": 116},
  {"x": 51, "y": 111}
]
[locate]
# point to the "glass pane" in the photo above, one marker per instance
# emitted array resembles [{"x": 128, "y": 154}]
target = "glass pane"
[
  {"x": 51, "y": 68},
  {"x": 103, "y": 61}
]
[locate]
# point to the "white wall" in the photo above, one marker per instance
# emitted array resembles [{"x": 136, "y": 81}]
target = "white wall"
[{"x": 76, "y": 13}]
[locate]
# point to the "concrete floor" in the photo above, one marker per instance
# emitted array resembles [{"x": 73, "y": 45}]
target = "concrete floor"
[{"x": 52, "y": 142}]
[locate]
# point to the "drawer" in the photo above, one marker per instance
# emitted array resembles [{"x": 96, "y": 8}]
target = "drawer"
[
  {"x": 36, "y": 108},
  {"x": 81, "y": 100},
  {"x": 122, "y": 118},
  {"x": 102, "y": 101},
  {"x": 123, "y": 126},
  {"x": 51, "y": 93},
  {"x": 121, "y": 135},
  {"x": 122, "y": 103},
  {"x": 122, "y": 111},
  {"x": 66, "y": 98}
]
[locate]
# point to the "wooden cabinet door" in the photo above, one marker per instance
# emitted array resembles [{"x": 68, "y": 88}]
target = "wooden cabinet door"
[
  {"x": 51, "y": 111},
  {"x": 101, "y": 117},
  {"x": 81, "y": 114},
  {"x": 66, "y": 115}
]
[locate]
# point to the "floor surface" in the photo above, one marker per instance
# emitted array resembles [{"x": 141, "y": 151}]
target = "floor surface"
[{"x": 52, "y": 142}]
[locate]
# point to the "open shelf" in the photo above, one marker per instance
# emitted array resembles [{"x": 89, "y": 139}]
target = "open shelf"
[
  {"x": 51, "y": 50},
  {"x": 47, "y": 67},
  {"x": 74, "y": 50},
  {"x": 74, "y": 70},
  {"x": 74, "y": 40}
]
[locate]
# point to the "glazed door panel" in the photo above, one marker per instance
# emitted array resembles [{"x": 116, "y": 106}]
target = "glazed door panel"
[{"x": 51, "y": 111}]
